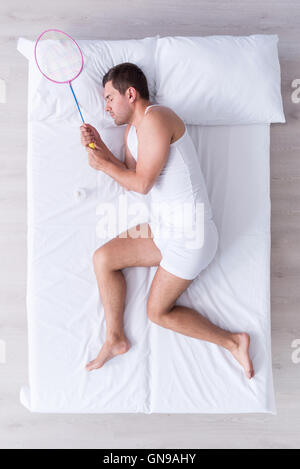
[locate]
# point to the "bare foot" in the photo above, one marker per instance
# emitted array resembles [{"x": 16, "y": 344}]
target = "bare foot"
[
  {"x": 241, "y": 353},
  {"x": 109, "y": 350}
]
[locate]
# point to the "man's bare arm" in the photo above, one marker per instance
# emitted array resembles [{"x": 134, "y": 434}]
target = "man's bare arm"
[
  {"x": 127, "y": 178},
  {"x": 103, "y": 159},
  {"x": 116, "y": 160},
  {"x": 129, "y": 161},
  {"x": 90, "y": 134},
  {"x": 154, "y": 147}
]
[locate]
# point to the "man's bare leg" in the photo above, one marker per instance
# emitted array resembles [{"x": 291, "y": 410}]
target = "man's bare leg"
[
  {"x": 165, "y": 289},
  {"x": 112, "y": 288},
  {"x": 126, "y": 250}
]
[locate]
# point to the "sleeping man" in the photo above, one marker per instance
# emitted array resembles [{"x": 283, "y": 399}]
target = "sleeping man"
[{"x": 161, "y": 160}]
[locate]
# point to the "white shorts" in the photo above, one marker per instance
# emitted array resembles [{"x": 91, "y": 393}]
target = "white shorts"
[{"x": 184, "y": 262}]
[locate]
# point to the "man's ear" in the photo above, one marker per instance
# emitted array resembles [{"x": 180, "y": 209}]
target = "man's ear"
[{"x": 131, "y": 93}]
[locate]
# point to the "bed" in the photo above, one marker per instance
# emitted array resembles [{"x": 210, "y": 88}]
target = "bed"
[{"x": 163, "y": 372}]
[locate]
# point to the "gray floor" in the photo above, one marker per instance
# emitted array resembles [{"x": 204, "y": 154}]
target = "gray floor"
[{"x": 111, "y": 19}]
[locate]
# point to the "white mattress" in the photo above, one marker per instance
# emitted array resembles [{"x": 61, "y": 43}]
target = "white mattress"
[{"x": 164, "y": 371}]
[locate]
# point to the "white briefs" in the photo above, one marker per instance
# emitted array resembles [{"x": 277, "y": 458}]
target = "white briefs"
[
  {"x": 187, "y": 262},
  {"x": 182, "y": 224}
]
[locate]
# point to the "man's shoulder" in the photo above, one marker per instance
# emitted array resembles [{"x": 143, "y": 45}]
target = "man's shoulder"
[
  {"x": 159, "y": 109},
  {"x": 162, "y": 120},
  {"x": 157, "y": 125},
  {"x": 158, "y": 115}
]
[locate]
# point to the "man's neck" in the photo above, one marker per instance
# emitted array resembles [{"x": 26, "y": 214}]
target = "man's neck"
[{"x": 140, "y": 113}]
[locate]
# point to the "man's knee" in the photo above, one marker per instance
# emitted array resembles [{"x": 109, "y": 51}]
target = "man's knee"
[
  {"x": 154, "y": 312},
  {"x": 101, "y": 257}
]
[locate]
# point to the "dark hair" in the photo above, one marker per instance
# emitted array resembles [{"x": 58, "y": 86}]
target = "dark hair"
[{"x": 125, "y": 75}]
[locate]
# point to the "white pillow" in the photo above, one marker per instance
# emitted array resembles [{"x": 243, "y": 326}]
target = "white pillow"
[
  {"x": 220, "y": 79},
  {"x": 52, "y": 101}
]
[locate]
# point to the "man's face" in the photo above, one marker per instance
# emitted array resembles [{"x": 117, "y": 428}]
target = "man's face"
[{"x": 116, "y": 104}]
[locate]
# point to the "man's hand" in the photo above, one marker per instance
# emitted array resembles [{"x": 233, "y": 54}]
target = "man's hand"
[
  {"x": 88, "y": 134},
  {"x": 97, "y": 156}
]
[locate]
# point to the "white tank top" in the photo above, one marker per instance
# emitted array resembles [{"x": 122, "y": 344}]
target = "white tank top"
[{"x": 180, "y": 183}]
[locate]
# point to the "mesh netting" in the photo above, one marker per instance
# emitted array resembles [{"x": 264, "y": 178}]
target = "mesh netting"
[{"x": 58, "y": 57}]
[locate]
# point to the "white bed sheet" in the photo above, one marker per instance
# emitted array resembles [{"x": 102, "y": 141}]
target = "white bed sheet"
[{"x": 164, "y": 371}]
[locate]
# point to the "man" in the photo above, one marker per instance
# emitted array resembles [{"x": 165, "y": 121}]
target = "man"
[{"x": 160, "y": 134}]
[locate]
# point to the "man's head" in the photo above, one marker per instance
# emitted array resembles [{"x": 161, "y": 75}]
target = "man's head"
[{"x": 125, "y": 87}]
